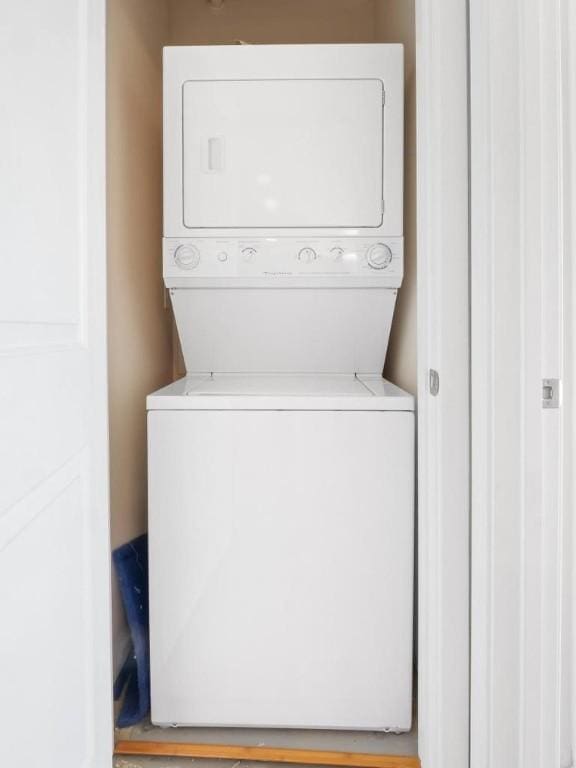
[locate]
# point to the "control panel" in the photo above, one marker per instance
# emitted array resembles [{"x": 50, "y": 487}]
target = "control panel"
[{"x": 283, "y": 257}]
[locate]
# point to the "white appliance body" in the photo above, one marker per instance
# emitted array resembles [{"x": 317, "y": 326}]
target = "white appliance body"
[
  {"x": 283, "y": 170},
  {"x": 281, "y": 538},
  {"x": 281, "y": 470},
  {"x": 273, "y": 139},
  {"x": 255, "y": 306}
]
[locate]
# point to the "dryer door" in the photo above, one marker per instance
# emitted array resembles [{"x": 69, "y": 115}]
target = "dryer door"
[{"x": 283, "y": 153}]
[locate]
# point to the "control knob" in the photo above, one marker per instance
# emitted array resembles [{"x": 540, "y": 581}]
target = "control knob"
[
  {"x": 307, "y": 255},
  {"x": 187, "y": 256},
  {"x": 379, "y": 256},
  {"x": 248, "y": 254}
]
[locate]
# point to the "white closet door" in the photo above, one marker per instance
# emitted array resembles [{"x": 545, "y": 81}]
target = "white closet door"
[
  {"x": 522, "y": 70},
  {"x": 443, "y": 383},
  {"x": 54, "y": 574}
]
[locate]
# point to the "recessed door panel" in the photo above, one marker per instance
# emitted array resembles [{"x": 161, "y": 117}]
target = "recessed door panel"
[{"x": 282, "y": 153}]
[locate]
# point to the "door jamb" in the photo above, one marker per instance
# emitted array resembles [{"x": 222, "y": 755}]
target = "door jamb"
[{"x": 443, "y": 354}]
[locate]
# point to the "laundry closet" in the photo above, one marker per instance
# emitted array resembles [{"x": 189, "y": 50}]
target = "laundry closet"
[
  {"x": 94, "y": 338},
  {"x": 148, "y": 351}
]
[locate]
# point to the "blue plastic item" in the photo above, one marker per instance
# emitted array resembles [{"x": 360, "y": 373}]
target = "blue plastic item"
[{"x": 131, "y": 563}]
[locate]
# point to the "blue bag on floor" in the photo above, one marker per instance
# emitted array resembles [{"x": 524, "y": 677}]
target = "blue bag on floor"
[{"x": 131, "y": 563}]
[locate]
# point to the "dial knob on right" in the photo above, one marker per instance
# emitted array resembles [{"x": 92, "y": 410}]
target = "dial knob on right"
[
  {"x": 379, "y": 256},
  {"x": 187, "y": 256}
]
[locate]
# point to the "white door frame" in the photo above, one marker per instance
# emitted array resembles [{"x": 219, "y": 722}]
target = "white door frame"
[
  {"x": 444, "y": 347},
  {"x": 522, "y": 233},
  {"x": 93, "y": 38},
  {"x": 568, "y": 716}
]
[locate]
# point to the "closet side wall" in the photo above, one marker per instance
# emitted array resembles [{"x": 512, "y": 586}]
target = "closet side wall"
[
  {"x": 395, "y": 23},
  {"x": 139, "y": 326}
]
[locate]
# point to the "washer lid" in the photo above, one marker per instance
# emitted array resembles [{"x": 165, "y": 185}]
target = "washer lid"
[{"x": 298, "y": 392}]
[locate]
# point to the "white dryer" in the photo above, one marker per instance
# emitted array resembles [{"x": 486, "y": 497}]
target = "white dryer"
[{"x": 281, "y": 468}]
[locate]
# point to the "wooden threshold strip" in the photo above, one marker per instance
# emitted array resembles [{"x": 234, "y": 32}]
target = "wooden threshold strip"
[{"x": 265, "y": 754}]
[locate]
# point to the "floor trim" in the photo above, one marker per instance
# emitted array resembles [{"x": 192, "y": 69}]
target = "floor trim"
[{"x": 265, "y": 754}]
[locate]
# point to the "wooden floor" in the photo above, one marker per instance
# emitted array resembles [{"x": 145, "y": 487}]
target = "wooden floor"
[{"x": 147, "y": 746}]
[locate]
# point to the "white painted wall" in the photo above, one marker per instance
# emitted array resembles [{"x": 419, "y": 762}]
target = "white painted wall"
[{"x": 568, "y": 213}]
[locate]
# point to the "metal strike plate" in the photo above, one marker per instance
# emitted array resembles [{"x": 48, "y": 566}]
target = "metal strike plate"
[
  {"x": 550, "y": 393},
  {"x": 434, "y": 382}
]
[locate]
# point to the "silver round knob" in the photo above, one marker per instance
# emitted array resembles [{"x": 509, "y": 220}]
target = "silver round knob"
[
  {"x": 379, "y": 256},
  {"x": 337, "y": 252},
  {"x": 187, "y": 256}
]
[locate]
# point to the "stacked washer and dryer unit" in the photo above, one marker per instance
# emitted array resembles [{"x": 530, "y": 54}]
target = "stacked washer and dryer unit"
[{"x": 281, "y": 468}]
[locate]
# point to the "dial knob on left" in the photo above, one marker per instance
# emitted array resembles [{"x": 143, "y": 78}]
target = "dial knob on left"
[{"x": 187, "y": 256}]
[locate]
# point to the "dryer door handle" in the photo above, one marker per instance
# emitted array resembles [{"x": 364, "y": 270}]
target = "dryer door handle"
[{"x": 215, "y": 154}]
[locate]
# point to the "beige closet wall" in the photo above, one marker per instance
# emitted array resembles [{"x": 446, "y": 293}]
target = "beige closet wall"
[
  {"x": 272, "y": 21},
  {"x": 139, "y": 343},
  {"x": 140, "y": 340},
  {"x": 394, "y": 23}
]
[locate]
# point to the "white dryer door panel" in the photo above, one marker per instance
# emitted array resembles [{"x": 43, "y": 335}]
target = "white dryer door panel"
[
  {"x": 281, "y": 568},
  {"x": 282, "y": 153}
]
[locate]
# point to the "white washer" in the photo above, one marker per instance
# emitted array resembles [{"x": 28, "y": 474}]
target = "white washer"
[{"x": 281, "y": 515}]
